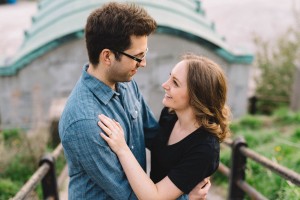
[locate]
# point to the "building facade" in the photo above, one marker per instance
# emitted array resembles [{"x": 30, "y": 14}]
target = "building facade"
[{"x": 44, "y": 70}]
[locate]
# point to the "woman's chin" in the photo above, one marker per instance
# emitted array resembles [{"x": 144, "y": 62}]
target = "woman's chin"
[{"x": 165, "y": 103}]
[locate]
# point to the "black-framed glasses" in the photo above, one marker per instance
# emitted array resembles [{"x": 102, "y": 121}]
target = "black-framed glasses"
[{"x": 139, "y": 60}]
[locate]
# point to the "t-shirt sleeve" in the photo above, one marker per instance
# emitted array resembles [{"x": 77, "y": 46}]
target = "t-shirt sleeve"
[{"x": 198, "y": 163}]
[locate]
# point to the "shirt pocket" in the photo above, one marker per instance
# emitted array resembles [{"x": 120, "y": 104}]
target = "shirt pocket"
[{"x": 135, "y": 110}]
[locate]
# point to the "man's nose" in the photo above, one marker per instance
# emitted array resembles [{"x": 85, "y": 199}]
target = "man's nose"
[{"x": 143, "y": 63}]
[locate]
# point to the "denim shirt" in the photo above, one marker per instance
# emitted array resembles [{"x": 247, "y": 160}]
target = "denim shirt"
[{"x": 94, "y": 170}]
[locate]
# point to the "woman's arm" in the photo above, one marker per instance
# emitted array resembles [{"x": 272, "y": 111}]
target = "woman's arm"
[{"x": 142, "y": 185}]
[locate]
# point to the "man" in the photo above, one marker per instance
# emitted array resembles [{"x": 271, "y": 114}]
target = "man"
[{"x": 116, "y": 40}]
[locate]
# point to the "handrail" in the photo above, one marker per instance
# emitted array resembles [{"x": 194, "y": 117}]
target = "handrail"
[
  {"x": 236, "y": 173},
  {"x": 46, "y": 164},
  {"x": 275, "y": 167},
  {"x": 32, "y": 182}
]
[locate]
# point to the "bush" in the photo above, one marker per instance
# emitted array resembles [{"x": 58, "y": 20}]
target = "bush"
[
  {"x": 296, "y": 134},
  {"x": 285, "y": 116},
  {"x": 276, "y": 63},
  {"x": 7, "y": 188},
  {"x": 12, "y": 137},
  {"x": 251, "y": 122},
  {"x": 20, "y": 154},
  {"x": 275, "y": 137}
]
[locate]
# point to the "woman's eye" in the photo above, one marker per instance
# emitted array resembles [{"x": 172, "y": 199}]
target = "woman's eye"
[{"x": 175, "y": 83}]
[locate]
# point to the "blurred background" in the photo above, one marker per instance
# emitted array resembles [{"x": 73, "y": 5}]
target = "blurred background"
[{"x": 256, "y": 42}]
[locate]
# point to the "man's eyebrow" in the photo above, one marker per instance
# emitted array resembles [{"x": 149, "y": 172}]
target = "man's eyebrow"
[{"x": 141, "y": 53}]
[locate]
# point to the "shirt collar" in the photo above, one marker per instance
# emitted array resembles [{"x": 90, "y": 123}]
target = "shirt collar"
[{"x": 98, "y": 88}]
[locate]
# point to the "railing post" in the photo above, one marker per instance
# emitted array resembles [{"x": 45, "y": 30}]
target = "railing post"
[
  {"x": 238, "y": 166},
  {"x": 49, "y": 183},
  {"x": 253, "y": 105}
]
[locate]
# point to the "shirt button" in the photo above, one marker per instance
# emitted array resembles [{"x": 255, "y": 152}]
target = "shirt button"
[
  {"x": 132, "y": 147},
  {"x": 136, "y": 112}
]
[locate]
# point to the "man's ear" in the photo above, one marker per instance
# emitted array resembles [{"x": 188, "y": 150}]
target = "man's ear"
[{"x": 105, "y": 56}]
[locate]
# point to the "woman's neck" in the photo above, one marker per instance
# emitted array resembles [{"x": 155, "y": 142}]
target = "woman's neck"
[{"x": 187, "y": 120}]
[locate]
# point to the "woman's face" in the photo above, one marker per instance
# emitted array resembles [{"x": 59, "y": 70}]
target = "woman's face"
[{"x": 175, "y": 87}]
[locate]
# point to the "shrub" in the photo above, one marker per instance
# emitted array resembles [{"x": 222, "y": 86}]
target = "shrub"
[
  {"x": 7, "y": 188},
  {"x": 285, "y": 116},
  {"x": 251, "y": 122},
  {"x": 296, "y": 134},
  {"x": 20, "y": 154},
  {"x": 275, "y": 137}
]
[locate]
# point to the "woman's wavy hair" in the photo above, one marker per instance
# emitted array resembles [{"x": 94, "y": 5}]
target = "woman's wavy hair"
[{"x": 207, "y": 88}]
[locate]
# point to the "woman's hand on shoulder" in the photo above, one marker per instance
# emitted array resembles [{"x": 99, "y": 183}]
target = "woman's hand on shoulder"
[{"x": 114, "y": 134}]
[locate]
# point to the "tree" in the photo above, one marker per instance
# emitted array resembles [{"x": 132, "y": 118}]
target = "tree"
[{"x": 277, "y": 66}]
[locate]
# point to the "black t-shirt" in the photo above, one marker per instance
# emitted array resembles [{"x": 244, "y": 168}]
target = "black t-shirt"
[{"x": 186, "y": 162}]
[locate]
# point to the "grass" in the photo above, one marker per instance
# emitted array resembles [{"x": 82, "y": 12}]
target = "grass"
[
  {"x": 20, "y": 155},
  {"x": 276, "y": 137}
]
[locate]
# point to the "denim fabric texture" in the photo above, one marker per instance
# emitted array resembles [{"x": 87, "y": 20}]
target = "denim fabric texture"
[{"x": 94, "y": 170}]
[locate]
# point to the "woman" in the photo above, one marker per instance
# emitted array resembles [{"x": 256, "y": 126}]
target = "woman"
[{"x": 193, "y": 123}]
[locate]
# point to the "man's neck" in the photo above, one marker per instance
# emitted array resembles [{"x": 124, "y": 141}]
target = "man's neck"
[{"x": 97, "y": 72}]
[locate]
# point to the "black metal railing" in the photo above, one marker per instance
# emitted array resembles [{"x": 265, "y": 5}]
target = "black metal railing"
[
  {"x": 236, "y": 174},
  {"x": 45, "y": 174}
]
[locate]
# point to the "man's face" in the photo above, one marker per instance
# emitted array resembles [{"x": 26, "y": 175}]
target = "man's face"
[{"x": 124, "y": 69}]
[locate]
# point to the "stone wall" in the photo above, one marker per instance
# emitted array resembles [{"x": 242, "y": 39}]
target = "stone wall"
[{"x": 27, "y": 97}]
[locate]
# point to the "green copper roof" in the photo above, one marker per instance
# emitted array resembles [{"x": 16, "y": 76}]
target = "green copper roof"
[{"x": 62, "y": 20}]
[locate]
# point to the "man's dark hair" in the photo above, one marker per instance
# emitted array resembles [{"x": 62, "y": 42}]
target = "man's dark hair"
[{"x": 112, "y": 25}]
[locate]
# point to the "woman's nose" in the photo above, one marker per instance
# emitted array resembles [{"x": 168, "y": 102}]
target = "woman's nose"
[{"x": 165, "y": 85}]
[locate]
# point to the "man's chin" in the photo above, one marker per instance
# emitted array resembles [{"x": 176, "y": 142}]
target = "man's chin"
[{"x": 126, "y": 80}]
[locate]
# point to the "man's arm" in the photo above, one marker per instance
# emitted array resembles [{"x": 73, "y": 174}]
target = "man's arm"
[{"x": 96, "y": 158}]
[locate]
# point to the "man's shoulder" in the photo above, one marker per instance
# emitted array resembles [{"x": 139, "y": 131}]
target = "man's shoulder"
[{"x": 78, "y": 106}]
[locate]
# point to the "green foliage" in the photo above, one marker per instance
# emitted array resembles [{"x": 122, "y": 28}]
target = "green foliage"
[
  {"x": 257, "y": 138},
  {"x": 276, "y": 63},
  {"x": 296, "y": 134},
  {"x": 285, "y": 116},
  {"x": 251, "y": 122},
  {"x": 10, "y": 134},
  {"x": 11, "y": 137},
  {"x": 20, "y": 168},
  {"x": 20, "y": 153},
  {"x": 7, "y": 188},
  {"x": 248, "y": 122},
  {"x": 275, "y": 137}
]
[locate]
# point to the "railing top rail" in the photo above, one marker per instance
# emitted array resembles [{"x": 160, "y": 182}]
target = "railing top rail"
[
  {"x": 282, "y": 171},
  {"x": 57, "y": 151},
  {"x": 32, "y": 182},
  {"x": 250, "y": 190},
  {"x": 275, "y": 167},
  {"x": 37, "y": 176}
]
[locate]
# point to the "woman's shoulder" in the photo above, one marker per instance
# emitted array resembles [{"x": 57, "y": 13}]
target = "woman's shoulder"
[{"x": 203, "y": 139}]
